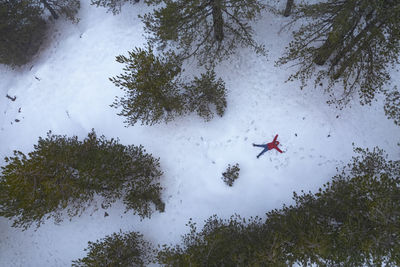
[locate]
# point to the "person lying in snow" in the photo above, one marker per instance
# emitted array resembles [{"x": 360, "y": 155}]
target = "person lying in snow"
[{"x": 269, "y": 146}]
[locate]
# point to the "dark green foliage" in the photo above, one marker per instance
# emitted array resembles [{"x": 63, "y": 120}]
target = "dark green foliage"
[
  {"x": 232, "y": 242},
  {"x": 353, "y": 221},
  {"x": 66, "y": 8},
  {"x": 118, "y": 249},
  {"x": 64, "y": 174},
  {"x": 21, "y": 31},
  {"x": 392, "y": 106},
  {"x": 151, "y": 85},
  {"x": 154, "y": 91},
  {"x": 357, "y": 41},
  {"x": 205, "y": 91},
  {"x": 22, "y": 28},
  {"x": 210, "y": 31},
  {"x": 231, "y": 174},
  {"x": 113, "y": 5}
]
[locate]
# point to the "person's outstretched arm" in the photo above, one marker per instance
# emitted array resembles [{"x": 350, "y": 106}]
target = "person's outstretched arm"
[
  {"x": 277, "y": 148},
  {"x": 276, "y": 136}
]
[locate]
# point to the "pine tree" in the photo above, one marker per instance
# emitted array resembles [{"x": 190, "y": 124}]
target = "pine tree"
[
  {"x": 155, "y": 91},
  {"x": 210, "y": 31},
  {"x": 21, "y": 31},
  {"x": 67, "y": 8},
  {"x": 353, "y": 221},
  {"x": 62, "y": 175},
  {"x": 357, "y": 41},
  {"x": 113, "y": 5},
  {"x": 232, "y": 242},
  {"x": 118, "y": 249},
  {"x": 205, "y": 93},
  {"x": 151, "y": 85}
]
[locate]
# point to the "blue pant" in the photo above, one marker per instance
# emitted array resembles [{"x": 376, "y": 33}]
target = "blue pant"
[{"x": 262, "y": 152}]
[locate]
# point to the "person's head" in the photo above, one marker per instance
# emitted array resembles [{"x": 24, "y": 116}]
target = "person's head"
[{"x": 276, "y": 142}]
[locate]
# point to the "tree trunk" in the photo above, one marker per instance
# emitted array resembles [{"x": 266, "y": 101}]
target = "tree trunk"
[
  {"x": 334, "y": 42},
  {"x": 48, "y": 6},
  {"x": 218, "y": 21},
  {"x": 336, "y": 38},
  {"x": 288, "y": 9},
  {"x": 324, "y": 52},
  {"x": 348, "y": 61},
  {"x": 355, "y": 40}
]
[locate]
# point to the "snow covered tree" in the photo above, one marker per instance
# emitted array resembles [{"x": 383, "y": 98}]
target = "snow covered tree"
[
  {"x": 353, "y": 221},
  {"x": 63, "y": 175},
  {"x": 205, "y": 93},
  {"x": 151, "y": 85},
  {"x": 155, "y": 92},
  {"x": 207, "y": 30},
  {"x": 118, "y": 249},
  {"x": 67, "y": 8},
  {"x": 21, "y": 31},
  {"x": 357, "y": 41},
  {"x": 113, "y": 5}
]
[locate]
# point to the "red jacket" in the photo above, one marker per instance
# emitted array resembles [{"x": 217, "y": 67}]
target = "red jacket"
[{"x": 274, "y": 144}]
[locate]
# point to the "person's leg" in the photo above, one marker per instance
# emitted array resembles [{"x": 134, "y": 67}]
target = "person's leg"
[
  {"x": 262, "y": 152},
  {"x": 259, "y": 145}
]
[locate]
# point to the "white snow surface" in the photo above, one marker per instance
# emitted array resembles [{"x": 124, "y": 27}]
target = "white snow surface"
[{"x": 66, "y": 90}]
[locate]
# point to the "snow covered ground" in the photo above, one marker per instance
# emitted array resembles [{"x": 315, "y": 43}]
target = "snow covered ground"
[{"x": 66, "y": 90}]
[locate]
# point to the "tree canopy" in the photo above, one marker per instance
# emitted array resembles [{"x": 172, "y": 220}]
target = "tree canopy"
[
  {"x": 63, "y": 175},
  {"x": 118, "y": 249},
  {"x": 113, "y": 5},
  {"x": 66, "y": 8},
  {"x": 207, "y": 30},
  {"x": 356, "y": 41},
  {"x": 156, "y": 92},
  {"x": 22, "y": 30}
]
